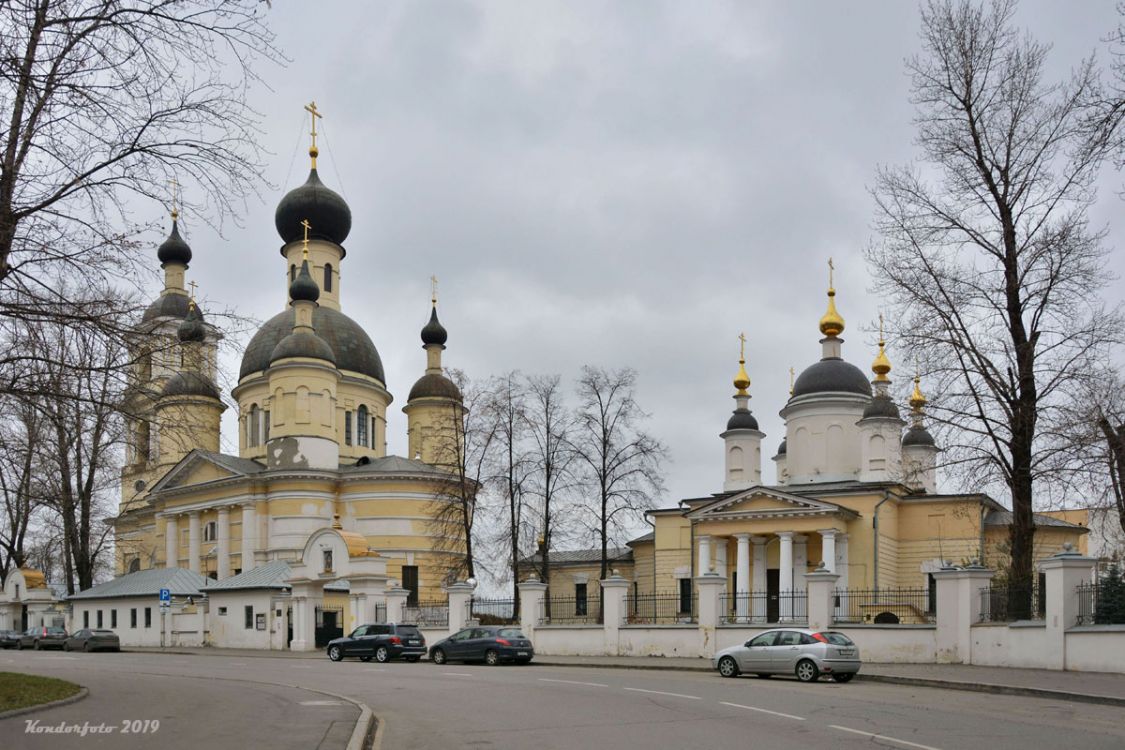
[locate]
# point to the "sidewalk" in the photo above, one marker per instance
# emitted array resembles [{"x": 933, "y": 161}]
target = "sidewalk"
[{"x": 1087, "y": 687}]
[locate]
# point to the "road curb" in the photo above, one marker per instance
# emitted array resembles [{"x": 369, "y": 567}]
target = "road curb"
[
  {"x": 82, "y": 693},
  {"x": 986, "y": 687},
  {"x": 662, "y": 667}
]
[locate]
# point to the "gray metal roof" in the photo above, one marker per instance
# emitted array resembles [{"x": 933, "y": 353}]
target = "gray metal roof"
[
  {"x": 1004, "y": 518},
  {"x": 271, "y": 575},
  {"x": 234, "y": 463},
  {"x": 394, "y": 465},
  {"x": 650, "y": 536},
  {"x": 179, "y": 581}
]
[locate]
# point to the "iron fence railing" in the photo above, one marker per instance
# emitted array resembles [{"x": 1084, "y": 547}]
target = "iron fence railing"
[
  {"x": 570, "y": 610},
  {"x": 1088, "y": 603},
  {"x": 884, "y": 606},
  {"x": 763, "y": 607},
  {"x": 493, "y": 611},
  {"x": 435, "y": 613},
  {"x": 662, "y": 609},
  {"x": 381, "y": 612},
  {"x": 1011, "y": 603}
]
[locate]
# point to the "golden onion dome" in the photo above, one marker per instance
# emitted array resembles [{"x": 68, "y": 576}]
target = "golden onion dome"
[
  {"x": 357, "y": 543},
  {"x": 742, "y": 378},
  {"x": 881, "y": 366},
  {"x": 917, "y": 400},
  {"x": 33, "y": 579},
  {"x": 831, "y": 323}
]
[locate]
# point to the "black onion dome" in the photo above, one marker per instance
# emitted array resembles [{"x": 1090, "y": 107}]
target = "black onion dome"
[
  {"x": 191, "y": 327},
  {"x": 918, "y": 436},
  {"x": 350, "y": 344},
  {"x": 742, "y": 419},
  {"x": 881, "y": 407},
  {"x": 434, "y": 386},
  {"x": 327, "y": 213},
  {"x": 783, "y": 449},
  {"x": 174, "y": 249},
  {"x": 303, "y": 287},
  {"x": 832, "y": 375},
  {"x": 167, "y": 306},
  {"x": 303, "y": 344},
  {"x": 434, "y": 332},
  {"x": 190, "y": 384}
]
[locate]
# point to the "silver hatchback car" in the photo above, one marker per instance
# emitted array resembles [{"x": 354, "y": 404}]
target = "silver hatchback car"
[{"x": 806, "y": 653}]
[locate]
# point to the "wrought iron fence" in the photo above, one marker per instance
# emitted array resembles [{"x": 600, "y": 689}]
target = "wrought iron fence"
[
  {"x": 1088, "y": 603},
  {"x": 1011, "y": 603},
  {"x": 570, "y": 610},
  {"x": 763, "y": 607},
  {"x": 435, "y": 613},
  {"x": 662, "y": 609},
  {"x": 494, "y": 611},
  {"x": 884, "y": 606},
  {"x": 381, "y": 612}
]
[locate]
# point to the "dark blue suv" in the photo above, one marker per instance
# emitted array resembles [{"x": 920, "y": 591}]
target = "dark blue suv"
[{"x": 381, "y": 642}]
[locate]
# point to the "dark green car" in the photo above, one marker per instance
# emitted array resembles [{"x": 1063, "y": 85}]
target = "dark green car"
[{"x": 89, "y": 639}]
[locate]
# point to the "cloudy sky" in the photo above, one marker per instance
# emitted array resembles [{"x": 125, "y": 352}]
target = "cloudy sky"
[{"x": 619, "y": 184}]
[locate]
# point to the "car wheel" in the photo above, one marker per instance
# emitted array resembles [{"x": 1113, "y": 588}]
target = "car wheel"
[
  {"x": 334, "y": 653},
  {"x": 491, "y": 658},
  {"x": 438, "y": 656},
  {"x": 382, "y": 655},
  {"x": 728, "y": 667},
  {"x": 807, "y": 671},
  {"x": 365, "y": 657},
  {"x": 843, "y": 676}
]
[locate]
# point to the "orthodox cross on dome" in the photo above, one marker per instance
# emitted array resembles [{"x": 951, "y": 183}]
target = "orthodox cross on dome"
[
  {"x": 314, "y": 115},
  {"x": 175, "y": 188},
  {"x": 433, "y": 290},
  {"x": 191, "y": 301},
  {"x": 831, "y": 268},
  {"x": 792, "y": 375},
  {"x": 742, "y": 379},
  {"x": 742, "y": 346},
  {"x": 305, "y": 252}
]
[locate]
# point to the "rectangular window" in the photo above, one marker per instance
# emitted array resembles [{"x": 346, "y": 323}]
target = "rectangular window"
[
  {"x": 100, "y": 618},
  {"x": 410, "y": 583},
  {"x": 347, "y": 428},
  {"x": 685, "y": 595},
  {"x": 266, "y": 428},
  {"x": 222, "y": 611},
  {"x": 86, "y": 618},
  {"x": 148, "y": 617},
  {"x": 580, "y": 600},
  {"x": 113, "y": 618},
  {"x": 248, "y": 613},
  {"x": 133, "y": 617}
]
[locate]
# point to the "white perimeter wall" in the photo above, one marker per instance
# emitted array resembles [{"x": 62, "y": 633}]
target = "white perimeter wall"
[
  {"x": 1007, "y": 646},
  {"x": 230, "y": 631},
  {"x": 1096, "y": 648}
]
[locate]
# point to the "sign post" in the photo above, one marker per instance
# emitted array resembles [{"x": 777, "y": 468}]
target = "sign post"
[{"x": 165, "y": 604}]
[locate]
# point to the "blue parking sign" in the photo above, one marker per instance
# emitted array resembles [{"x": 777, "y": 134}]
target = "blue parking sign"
[{"x": 165, "y": 595}]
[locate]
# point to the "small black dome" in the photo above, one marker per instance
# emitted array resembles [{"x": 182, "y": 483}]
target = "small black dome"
[
  {"x": 174, "y": 249},
  {"x": 434, "y": 332},
  {"x": 303, "y": 287},
  {"x": 190, "y": 384},
  {"x": 167, "y": 306},
  {"x": 918, "y": 436},
  {"x": 784, "y": 447},
  {"x": 434, "y": 386},
  {"x": 327, "y": 213},
  {"x": 742, "y": 419},
  {"x": 832, "y": 375},
  {"x": 350, "y": 343},
  {"x": 303, "y": 344},
  {"x": 881, "y": 407},
  {"x": 191, "y": 328}
]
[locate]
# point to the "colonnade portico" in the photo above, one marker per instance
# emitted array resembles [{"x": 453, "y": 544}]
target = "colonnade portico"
[{"x": 223, "y": 552}]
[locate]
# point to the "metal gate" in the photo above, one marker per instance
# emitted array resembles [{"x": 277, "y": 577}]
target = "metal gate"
[{"x": 329, "y": 625}]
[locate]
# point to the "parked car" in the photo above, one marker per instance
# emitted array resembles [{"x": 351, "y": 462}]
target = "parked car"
[
  {"x": 43, "y": 636},
  {"x": 806, "y": 653},
  {"x": 491, "y": 644},
  {"x": 381, "y": 642},
  {"x": 10, "y": 638},
  {"x": 89, "y": 639}
]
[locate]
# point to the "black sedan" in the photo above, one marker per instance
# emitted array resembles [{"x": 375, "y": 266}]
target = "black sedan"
[
  {"x": 491, "y": 644},
  {"x": 10, "y": 638},
  {"x": 89, "y": 639}
]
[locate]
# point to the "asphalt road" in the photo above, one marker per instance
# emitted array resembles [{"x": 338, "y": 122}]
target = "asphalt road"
[{"x": 218, "y": 701}]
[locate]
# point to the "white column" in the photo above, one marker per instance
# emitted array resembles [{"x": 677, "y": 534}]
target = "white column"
[
  {"x": 171, "y": 543},
  {"x": 223, "y": 566},
  {"x": 720, "y": 544},
  {"x": 193, "y": 541},
  {"x": 800, "y": 560},
  {"x": 704, "y": 554},
  {"x": 249, "y": 535},
  {"x": 785, "y": 576},
  {"x": 828, "y": 548},
  {"x": 742, "y": 577},
  {"x": 842, "y": 560},
  {"x": 759, "y": 606}
]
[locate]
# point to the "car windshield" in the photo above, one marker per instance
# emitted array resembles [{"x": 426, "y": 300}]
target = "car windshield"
[
  {"x": 56, "y": 631},
  {"x": 512, "y": 633},
  {"x": 409, "y": 631},
  {"x": 838, "y": 639}
]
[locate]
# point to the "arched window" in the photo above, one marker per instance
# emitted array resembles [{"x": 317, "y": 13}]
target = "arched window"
[
  {"x": 328, "y": 277},
  {"x": 135, "y": 565},
  {"x": 255, "y": 425},
  {"x": 292, "y": 273},
  {"x": 361, "y": 426}
]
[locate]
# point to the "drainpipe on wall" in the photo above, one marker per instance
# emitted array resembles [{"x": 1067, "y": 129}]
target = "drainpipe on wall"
[
  {"x": 653, "y": 525},
  {"x": 875, "y": 526}
]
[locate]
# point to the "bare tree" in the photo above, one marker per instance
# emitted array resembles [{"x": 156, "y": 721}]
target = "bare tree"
[
  {"x": 106, "y": 101},
  {"x": 506, "y": 408},
  {"x": 550, "y": 459},
  {"x": 986, "y": 250},
  {"x": 621, "y": 464},
  {"x": 21, "y": 447}
]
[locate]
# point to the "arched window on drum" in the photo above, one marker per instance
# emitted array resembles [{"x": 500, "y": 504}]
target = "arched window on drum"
[{"x": 361, "y": 424}]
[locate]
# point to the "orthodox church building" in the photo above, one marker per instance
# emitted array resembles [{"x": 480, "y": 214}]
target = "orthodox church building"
[{"x": 312, "y": 485}]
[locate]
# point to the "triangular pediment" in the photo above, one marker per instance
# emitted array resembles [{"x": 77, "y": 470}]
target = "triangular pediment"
[
  {"x": 767, "y": 501},
  {"x": 199, "y": 467}
]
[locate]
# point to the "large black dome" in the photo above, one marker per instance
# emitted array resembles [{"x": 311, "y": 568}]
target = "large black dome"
[
  {"x": 434, "y": 386},
  {"x": 328, "y": 215},
  {"x": 881, "y": 407},
  {"x": 832, "y": 375},
  {"x": 742, "y": 419},
  {"x": 174, "y": 249},
  {"x": 190, "y": 384},
  {"x": 167, "y": 306},
  {"x": 352, "y": 346},
  {"x": 918, "y": 436},
  {"x": 303, "y": 344}
]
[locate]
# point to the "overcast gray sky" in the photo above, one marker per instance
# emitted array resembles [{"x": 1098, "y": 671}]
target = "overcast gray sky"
[{"x": 619, "y": 184}]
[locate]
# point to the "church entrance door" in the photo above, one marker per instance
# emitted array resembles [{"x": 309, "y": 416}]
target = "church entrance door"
[
  {"x": 329, "y": 625},
  {"x": 23, "y": 618},
  {"x": 773, "y": 592}
]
